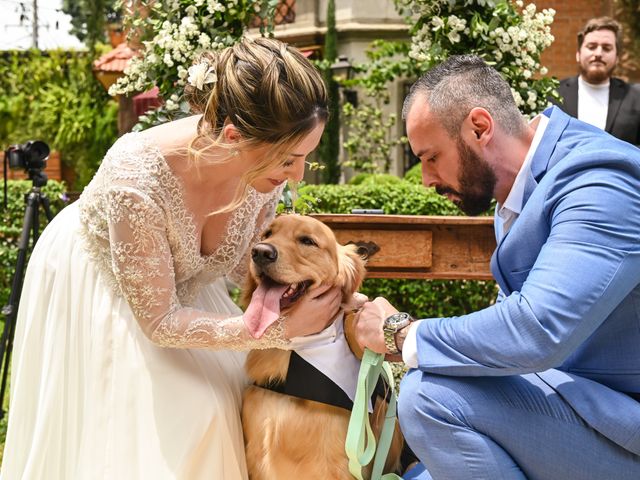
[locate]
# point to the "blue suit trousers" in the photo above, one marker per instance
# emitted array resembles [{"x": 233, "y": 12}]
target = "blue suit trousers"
[{"x": 509, "y": 427}]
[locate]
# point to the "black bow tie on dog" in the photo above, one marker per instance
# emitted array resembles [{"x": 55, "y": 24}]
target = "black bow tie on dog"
[{"x": 307, "y": 382}]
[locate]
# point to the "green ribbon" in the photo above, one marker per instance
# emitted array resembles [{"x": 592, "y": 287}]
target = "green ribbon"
[{"x": 360, "y": 445}]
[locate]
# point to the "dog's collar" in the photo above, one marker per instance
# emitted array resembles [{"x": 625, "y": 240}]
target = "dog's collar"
[
  {"x": 307, "y": 382},
  {"x": 329, "y": 352}
]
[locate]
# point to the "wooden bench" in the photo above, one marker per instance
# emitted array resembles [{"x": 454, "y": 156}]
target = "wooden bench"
[{"x": 417, "y": 246}]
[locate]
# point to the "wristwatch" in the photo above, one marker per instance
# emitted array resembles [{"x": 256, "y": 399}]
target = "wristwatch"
[{"x": 392, "y": 325}]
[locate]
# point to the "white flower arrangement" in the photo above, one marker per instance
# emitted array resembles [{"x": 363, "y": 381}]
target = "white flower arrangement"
[{"x": 180, "y": 30}]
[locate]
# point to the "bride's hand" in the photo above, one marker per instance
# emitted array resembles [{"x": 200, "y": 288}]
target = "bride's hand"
[{"x": 314, "y": 312}]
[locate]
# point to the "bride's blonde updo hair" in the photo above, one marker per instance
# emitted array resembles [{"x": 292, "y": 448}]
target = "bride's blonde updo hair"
[{"x": 268, "y": 90}]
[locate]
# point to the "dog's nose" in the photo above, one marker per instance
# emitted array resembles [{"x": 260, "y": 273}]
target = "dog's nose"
[{"x": 264, "y": 253}]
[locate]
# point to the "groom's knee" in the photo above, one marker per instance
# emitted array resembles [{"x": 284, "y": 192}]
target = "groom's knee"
[
  {"x": 410, "y": 414},
  {"x": 427, "y": 402}
]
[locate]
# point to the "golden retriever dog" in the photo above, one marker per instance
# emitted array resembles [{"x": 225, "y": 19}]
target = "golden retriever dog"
[{"x": 290, "y": 436}]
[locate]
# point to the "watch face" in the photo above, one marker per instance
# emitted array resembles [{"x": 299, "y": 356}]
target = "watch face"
[{"x": 397, "y": 321}]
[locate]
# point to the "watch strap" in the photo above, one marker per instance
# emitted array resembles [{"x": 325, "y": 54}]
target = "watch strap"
[{"x": 392, "y": 325}]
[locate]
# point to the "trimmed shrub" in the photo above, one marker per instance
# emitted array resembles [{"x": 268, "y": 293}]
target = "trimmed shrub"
[
  {"x": 401, "y": 198},
  {"x": 414, "y": 174}
]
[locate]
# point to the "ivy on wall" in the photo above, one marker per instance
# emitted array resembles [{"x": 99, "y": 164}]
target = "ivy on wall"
[{"x": 53, "y": 96}]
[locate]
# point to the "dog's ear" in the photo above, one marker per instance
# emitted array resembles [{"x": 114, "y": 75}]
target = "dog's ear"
[
  {"x": 249, "y": 287},
  {"x": 351, "y": 270}
]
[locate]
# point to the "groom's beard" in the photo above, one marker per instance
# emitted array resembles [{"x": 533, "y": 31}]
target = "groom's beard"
[{"x": 477, "y": 181}]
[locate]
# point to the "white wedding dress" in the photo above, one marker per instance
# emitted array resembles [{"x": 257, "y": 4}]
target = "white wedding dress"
[{"x": 128, "y": 355}]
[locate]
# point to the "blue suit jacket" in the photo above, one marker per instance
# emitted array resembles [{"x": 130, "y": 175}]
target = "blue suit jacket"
[{"x": 569, "y": 268}]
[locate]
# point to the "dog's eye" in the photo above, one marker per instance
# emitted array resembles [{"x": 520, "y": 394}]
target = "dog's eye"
[
  {"x": 266, "y": 234},
  {"x": 307, "y": 241}
]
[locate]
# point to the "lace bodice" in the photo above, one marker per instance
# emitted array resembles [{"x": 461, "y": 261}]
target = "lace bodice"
[{"x": 136, "y": 227}]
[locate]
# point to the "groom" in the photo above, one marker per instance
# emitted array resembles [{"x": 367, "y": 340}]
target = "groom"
[{"x": 545, "y": 383}]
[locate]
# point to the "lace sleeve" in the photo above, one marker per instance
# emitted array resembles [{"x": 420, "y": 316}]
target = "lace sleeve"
[
  {"x": 143, "y": 267},
  {"x": 268, "y": 213}
]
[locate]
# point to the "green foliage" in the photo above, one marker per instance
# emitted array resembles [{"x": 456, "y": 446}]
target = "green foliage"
[
  {"x": 12, "y": 223},
  {"x": 53, "y": 96},
  {"x": 414, "y": 174},
  {"x": 3, "y": 425},
  {"x": 294, "y": 202},
  {"x": 386, "y": 61},
  {"x": 329, "y": 148},
  {"x": 370, "y": 140},
  {"x": 628, "y": 12},
  {"x": 432, "y": 298},
  {"x": 422, "y": 298},
  {"x": 378, "y": 179}
]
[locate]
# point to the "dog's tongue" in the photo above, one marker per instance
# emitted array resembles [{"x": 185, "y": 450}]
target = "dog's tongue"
[{"x": 264, "y": 308}]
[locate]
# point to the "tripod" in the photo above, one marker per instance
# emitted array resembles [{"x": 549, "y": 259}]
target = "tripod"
[{"x": 34, "y": 199}]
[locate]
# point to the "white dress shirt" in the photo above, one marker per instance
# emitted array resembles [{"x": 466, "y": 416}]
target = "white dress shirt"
[{"x": 507, "y": 214}]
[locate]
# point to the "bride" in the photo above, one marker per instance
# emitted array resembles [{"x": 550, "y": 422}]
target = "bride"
[{"x": 128, "y": 357}]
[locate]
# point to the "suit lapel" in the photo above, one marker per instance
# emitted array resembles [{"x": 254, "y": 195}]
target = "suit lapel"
[
  {"x": 616, "y": 94},
  {"x": 570, "y": 96},
  {"x": 496, "y": 269},
  {"x": 558, "y": 121}
]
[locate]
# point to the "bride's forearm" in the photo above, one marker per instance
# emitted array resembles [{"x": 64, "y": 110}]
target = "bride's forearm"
[{"x": 190, "y": 328}]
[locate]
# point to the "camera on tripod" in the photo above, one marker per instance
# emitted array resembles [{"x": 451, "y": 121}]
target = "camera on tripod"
[{"x": 31, "y": 155}]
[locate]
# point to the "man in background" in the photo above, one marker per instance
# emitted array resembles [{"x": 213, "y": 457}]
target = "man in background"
[{"x": 594, "y": 96}]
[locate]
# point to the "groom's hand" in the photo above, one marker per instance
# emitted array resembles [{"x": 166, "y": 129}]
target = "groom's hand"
[{"x": 369, "y": 323}]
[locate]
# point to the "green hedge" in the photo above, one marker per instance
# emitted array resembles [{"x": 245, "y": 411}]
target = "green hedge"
[
  {"x": 11, "y": 227},
  {"x": 53, "y": 96},
  {"x": 422, "y": 298}
]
